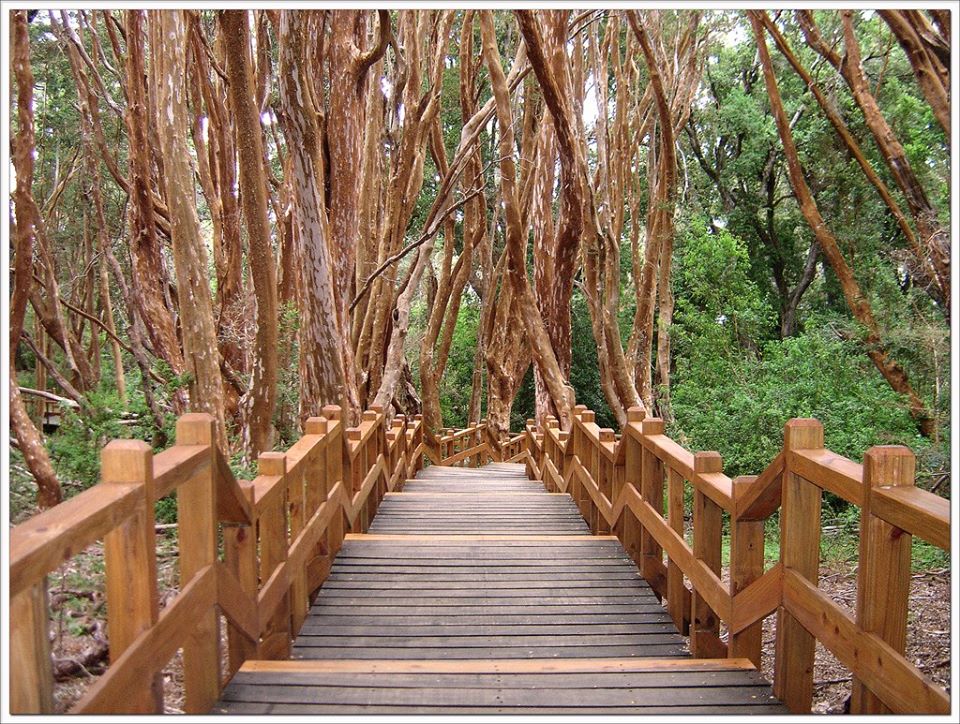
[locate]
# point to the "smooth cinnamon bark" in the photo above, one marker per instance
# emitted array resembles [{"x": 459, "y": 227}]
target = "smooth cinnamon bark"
[{"x": 891, "y": 370}]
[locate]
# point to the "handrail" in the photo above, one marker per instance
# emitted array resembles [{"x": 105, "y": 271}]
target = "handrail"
[
  {"x": 619, "y": 486},
  {"x": 279, "y": 534}
]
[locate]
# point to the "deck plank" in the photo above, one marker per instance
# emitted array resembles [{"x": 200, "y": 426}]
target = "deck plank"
[{"x": 477, "y": 592}]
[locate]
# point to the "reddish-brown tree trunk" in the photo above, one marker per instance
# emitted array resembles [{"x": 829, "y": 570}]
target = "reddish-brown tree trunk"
[
  {"x": 149, "y": 275},
  {"x": 322, "y": 375},
  {"x": 189, "y": 254},
  {"x": 259, "y": 404},
  {"x": 26, "y": 217},
  {"x": 891, "y": 370}
]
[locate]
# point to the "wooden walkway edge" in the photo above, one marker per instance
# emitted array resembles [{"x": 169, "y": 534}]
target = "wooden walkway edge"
[{"x": 477, "y": 592}]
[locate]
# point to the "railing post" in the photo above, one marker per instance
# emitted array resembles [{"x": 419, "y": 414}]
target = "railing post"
[
  {"x": 883, "y": 573},
  {"x": 746, "y": 566},
  {"x": 651, "y": 490},
  {"x": 632, "y": 472},
  {"x": 399, "y": 432},
  {"x": 417, "y": 441},
  {"x": 679, "y": 599},
  {"x": 354, "y": 477},
  {"x": 197, "y": 529},
  {"x": 800, "y": 552},
  {"x": 240, "y": 557},
  {"x": 606, "y": 481},
  {"x": 707, "y": 542},
  {"x": 336, "y": 452},
  {"x": 275, "y": 632},
  {"x": 31, "y": 670},
  {"x": 316, "y": 488},
  {"x": 130, "y": 558}
]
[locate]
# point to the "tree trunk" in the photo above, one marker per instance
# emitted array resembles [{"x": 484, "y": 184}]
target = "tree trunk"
[
  {"x": 560, "y": 390},
  {"x": 895, "y": 375},
  {"x": 322, "y": 375},
  {"x": 933, "y": 76},
  {"x": 932, "y": 236},
  {"x": 258, "y": 407},
  {"x": 922, "y": 268},
  {"x": 189, "y": 254},
  {"x": 31, "y": 445},
  {"x": 25, "y": 208},
  {"x": 149, "y": 276}
]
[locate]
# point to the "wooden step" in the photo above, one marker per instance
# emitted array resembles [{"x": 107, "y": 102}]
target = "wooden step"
[{"x": 497, "y": 686}]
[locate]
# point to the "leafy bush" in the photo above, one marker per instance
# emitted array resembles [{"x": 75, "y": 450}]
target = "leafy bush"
[{"x": 738, "y": 403}]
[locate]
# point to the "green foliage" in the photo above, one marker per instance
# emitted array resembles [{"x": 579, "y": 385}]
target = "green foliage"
[
  {"x": 718, "y": 305},
  {"x": 738, "y": 403},
  {"x": 286, "y": 413},
  {"x": 456, "y": 383}
]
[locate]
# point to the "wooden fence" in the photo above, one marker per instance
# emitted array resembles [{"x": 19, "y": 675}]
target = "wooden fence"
[
  {"x": 622, "y": 483},
  {"x": 476, "y": 445},
  {"x": 253, "y": 552}
]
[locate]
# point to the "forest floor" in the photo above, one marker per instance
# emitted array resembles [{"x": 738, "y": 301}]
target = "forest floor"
[
  {"x": 928, "y": 634},
  {"x": 78, "y": 632}
]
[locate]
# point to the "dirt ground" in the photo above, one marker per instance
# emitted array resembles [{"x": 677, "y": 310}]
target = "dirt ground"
[
  {"x": 928, "y": 635},
  {"x": 77, "y": 629}
]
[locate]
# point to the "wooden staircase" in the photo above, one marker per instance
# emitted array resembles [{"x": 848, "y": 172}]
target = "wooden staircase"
[{"x": 477, "y": 591}]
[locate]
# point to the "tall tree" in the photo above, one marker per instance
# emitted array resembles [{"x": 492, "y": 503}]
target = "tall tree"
[
  {"x": 859, "y": 306},
  {"x": 149, "y": 273},
  {"x": 323, "y": 378},
  {"x": 189, "y": 254},
  {"x": 540, "y": 347},
  {"x": 932, "y": 235},
  {"x": 26, "y": 219},
  {"x": 259, "y": 405}
]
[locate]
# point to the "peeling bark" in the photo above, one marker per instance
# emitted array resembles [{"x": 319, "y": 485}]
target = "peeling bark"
[
  {"x": 189, "y": 255},
  {"x": 259, "y": 403}
]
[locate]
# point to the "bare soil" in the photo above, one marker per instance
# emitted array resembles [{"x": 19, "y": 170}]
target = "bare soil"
[{"x": 928, "y": 634}]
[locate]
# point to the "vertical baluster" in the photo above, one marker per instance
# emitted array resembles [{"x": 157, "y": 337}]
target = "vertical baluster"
[
  {"x": 557, "y": 457},
  {"x": 197, "y": 528},
  {"x": 31, "y": 676},
  {"x": 240, "y": 557},
  {"x": 679, "y": 601},
  {"x": 799, "y": 551},
  {"x": 632, "y": 472},
  {"x": 130, "y": 557},
  {"x": 315, "y": 493},
  {"x": 275, "y": 634},
  {"x": 417, "y": 441},
  {"x": 651, "y": 489},
  {"x": 707, "y": 542},
  {"x": 335, "y": 454},
  {"x": 351, "y": 475},
  {"x": 883, "y": 574},
  {"x": 746, "y": 566},
  {"x": 606, "y": 481},
  {"x": 298, "y": 515}
]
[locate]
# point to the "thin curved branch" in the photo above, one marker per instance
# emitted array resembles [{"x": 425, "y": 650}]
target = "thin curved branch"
[{"x": 384, "y": 34}]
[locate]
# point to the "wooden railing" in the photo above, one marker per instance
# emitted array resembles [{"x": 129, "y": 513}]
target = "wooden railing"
[
  {"x": 619, "y": 481},
  {"x": 254, "y": 552},
  {"x": 476, "y": 445}
]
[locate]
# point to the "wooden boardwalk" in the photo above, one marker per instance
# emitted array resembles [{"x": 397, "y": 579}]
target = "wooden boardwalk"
[{"x": 476, "y": 591}]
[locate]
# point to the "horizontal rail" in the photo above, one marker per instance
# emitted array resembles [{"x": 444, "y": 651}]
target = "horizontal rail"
[
  {"x": 39, "y": 545},
  {"x": 895, "y": 680},
  {"x": 831, "y": 472},
  {"x": 918, "y": 512},
  {"x": 624, "y": 485},
  {"x": 176, "y": 465},
  {"x": 279, "y": 534},
  {"x": 465, "y": 454}
]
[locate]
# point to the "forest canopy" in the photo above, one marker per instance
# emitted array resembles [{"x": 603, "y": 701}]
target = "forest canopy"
[{"x": 730, "y": 218}]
